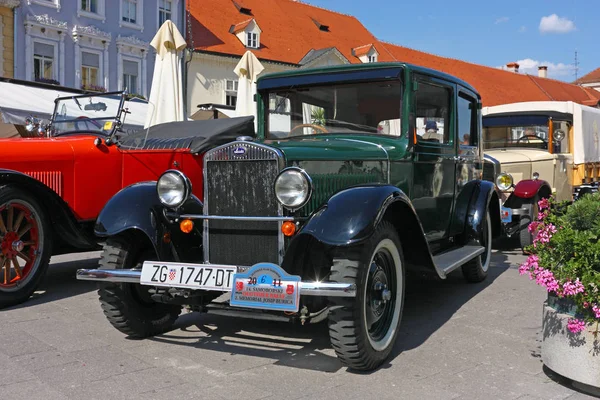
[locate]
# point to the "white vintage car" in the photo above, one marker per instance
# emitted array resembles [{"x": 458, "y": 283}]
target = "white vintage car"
[{"x": 537, "y": 149}]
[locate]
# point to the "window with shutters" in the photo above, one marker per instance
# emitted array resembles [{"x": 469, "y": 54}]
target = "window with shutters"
[
  {"x": 90, "y": 69},
  {"x": 231, "y": 88},
  {"x": 43, "y": 61},
  {"x": 164, "y": 11},
  {"x": 132, "y": 12},
  {"x": 131, "y": 76}
]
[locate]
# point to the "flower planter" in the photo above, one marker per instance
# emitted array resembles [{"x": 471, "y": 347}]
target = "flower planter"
[{"x": 572, "y": 355}]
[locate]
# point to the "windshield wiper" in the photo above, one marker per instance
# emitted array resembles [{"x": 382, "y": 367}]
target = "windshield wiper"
[{"x": 77, "y": 102}]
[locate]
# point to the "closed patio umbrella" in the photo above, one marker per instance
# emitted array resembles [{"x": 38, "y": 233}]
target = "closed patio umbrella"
[
  {"x": 166, "y": 94},
  {"x": 247, "y": 71}
]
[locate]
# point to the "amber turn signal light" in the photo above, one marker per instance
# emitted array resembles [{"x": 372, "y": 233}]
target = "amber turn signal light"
[
  {"x": 288, "y": 228},
  {"x": 186, "y": 225}
]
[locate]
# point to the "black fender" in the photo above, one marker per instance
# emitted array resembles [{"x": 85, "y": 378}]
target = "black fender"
[
  {"x": 351, "y": 216},
  {"x": 483, "y": 197},
  {"x": 68, "y": 232},
  {"x": 136, "y": 210}
]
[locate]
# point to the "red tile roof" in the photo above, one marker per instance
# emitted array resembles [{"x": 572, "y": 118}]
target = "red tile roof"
[
  {"x": 362, "y": 50},
  {"x": 592, "y": 77},
  {"x": 240, "y": 26},
  {"x": 497, "y": 86},
  {"x": 288, "y": 29},
  {"x": 289, "y": 33}
]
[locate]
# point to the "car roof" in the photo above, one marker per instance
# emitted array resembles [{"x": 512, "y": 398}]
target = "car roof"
[{"x": 364, "y": 67}]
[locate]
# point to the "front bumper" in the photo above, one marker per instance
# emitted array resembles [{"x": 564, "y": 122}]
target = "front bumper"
[{"x": 307, "y": 288}]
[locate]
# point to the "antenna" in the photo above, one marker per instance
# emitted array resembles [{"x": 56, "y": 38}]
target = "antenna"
[{"x": 576, "y": 66}]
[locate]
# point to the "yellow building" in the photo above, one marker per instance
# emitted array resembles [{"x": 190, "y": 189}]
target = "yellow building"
[{"x": 7, "y": 36}]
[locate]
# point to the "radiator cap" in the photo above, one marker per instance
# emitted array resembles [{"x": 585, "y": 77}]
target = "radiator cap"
[{"x": 244, "y": 138}]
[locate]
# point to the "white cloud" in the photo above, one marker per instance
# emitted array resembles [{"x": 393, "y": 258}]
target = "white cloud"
[
  {"x": 558, "y": 71},
  {"x": 522, "y": 29},
  {"x": 501, "y": 20},
  {"x": 555, "y": 24}
]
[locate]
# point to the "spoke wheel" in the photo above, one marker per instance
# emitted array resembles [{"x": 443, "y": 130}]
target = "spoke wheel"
[
  {"x": 24, "y": 248},
  {"x": 20, "y": 239}
]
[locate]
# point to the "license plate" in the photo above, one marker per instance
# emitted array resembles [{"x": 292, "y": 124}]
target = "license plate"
[
  {"x": 193, "y": 276},
  {"x": 266, "y": 286},
  {"x": 506, "y": 214}
]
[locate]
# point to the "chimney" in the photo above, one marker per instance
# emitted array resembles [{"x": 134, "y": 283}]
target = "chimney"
[
  {"x": 543, "y": 71},
  {"x": 513, "y": 67}
]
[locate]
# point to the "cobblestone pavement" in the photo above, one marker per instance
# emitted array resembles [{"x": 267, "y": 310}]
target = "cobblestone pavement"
[{"x": 458, "y": 341}]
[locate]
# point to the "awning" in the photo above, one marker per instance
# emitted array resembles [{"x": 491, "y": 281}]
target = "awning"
[{"x": 17, "y": 102}]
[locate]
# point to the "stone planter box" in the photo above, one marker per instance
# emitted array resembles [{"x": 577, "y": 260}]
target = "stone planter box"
[{"x": 575, "y": 356}]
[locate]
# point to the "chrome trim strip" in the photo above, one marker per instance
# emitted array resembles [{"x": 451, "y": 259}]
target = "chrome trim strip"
[
  {"x": 332, "y": 289},
  {"x": 389, "y": 165},
  {"x": 520, "y": 211},
  {"x": 236, "y": 218},
  {"x": 262, "y": 151}
]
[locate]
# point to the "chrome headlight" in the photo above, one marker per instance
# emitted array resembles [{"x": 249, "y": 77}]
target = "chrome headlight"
[
  {"x": 293, "y": 188},
  {"x": 504, "y": 181},
  {"x": 173, "y": 188}
]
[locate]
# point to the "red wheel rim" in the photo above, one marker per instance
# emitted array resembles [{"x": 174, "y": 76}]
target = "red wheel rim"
[{"x": 19, "y": 243}]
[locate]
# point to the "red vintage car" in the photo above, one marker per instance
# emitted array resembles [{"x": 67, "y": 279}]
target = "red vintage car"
[{"x": 52, "y": 187}]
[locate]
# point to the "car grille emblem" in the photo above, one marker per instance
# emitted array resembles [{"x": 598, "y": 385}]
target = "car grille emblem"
[{"x": 238, "y": 151}]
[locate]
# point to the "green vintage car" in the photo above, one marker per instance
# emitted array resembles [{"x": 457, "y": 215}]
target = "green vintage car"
[{"x": 358, "y": 175}]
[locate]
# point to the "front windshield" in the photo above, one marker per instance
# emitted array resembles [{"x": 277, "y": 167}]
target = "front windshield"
[
  {"x": 96, "y": 114},
  {"x": 529, "y": 136},
  {"x": 499, "y": 137},
  {"x": 365, "y": 107}
]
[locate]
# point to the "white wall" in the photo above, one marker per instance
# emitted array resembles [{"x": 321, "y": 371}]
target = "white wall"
[{"x": 207, "y": 76}]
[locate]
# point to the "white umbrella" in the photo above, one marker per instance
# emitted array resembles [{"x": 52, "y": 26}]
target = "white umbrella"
[
  {"x": 166, "y": 94},
  {"x": 247, "y": 70}
]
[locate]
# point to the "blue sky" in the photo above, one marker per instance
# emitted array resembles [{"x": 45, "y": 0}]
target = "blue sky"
[{"x": 491, "y": 33}]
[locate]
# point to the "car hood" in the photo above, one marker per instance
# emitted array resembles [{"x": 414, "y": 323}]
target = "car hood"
[
  {"x": 514, "y": 156},
  {"x": 333, "y": 147},
  {"x": 25, "y": 153}
]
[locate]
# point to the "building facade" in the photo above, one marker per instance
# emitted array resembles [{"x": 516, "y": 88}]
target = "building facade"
[
  {"x": 7, "y": 36},
  {"x": 91, "y": 44},
  {"x": 283, "y": 34}
]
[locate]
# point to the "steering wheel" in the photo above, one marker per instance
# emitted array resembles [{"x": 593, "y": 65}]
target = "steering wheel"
[
  {"x": 314, "y": 126},
  {"x": 532, "y": 136},
  {"x": 85, "y": 123}
]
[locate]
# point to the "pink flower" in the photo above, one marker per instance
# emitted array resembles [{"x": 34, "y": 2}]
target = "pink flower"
[
  {"x": 541, "y": 216},
  {"x": 530, "y": 266},
  {"x": 572, "y": 288},
  {"x": 575, "y": 325},
  {"x": 544, "y": 234},
  {"x": 543, "y": 203},
  {"x": 533, "y": 226},
  {"x": 596, "y": 310},
  {"x": 546, "y": 278},
  {"x": 586, "y": 304}
]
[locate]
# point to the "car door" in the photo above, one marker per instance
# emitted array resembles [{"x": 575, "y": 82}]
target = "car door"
[
  {"x": 468, "y": 160},
  {"x": 433, "y": 188}
]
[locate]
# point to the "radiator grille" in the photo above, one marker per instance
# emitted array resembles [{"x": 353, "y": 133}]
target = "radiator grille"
[
  {"x": 52, "y": 179},
  {"x": 489, "y": 173},
  {"x": 241, "y": 183}
]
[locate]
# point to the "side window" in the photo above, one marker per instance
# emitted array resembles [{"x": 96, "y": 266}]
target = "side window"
[
  {"x": 467, "y": 120},
  {"x": 432, "y": 114}
]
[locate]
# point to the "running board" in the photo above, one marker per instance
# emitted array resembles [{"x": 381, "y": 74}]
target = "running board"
[{"x": 453, "y": 259}]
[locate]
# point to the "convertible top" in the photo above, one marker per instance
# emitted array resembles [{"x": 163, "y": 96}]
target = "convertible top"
[{"x": 197, "y": 136}]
